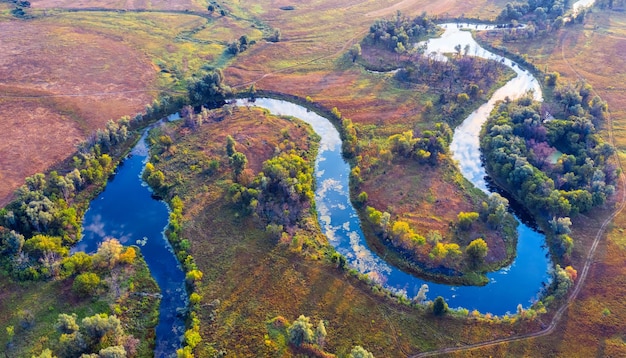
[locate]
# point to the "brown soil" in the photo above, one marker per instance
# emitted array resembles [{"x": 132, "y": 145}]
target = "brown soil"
[{"x": 58, "y": 84}]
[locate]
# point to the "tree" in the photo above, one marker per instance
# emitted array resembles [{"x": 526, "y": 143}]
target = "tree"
[
  {"x": 230, "y": 146},
  {"x": 39, "y": 245},
  {"x": 113, "y": 352},
  {"x": 275, "y": 36},
  {"x": 421, "y": 294},
  {"x": 108, "y": 253},
  {"x": 72, "y": 344},
  {"x": 355, "y": 52},
  {"x": 239, "y": 162},
  {"x": 360, "y": 352},
  {"x": 466, "y": 219},
  {"x": 300, "y": 331},
  {"x": 552, "y": 78},
  {"x": 66, "y": 323},
  {"x": 476, "y": 251},
  {"x": 86, "y": 284},
  {"x": 99, "y": 325},
  {"x": 440, "y": 307},
  {"x": 209, "y": 90},
  {"x": 46, "y": 353}
]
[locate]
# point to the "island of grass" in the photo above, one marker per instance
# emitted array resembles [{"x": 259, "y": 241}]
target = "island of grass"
[{"x": 417, "y": 209}]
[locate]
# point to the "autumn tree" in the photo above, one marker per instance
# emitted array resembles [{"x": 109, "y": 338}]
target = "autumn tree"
[
  {"x": 476, "y": 251},
  {"x": 86, "y": 284},
  {"x": 300, "y": 331},
  {"x": 440, "y": 307},
  {"x": 355, "y": 52},
  {"x": 466, "y": 219},
  {"x": 360, "y": 352}
]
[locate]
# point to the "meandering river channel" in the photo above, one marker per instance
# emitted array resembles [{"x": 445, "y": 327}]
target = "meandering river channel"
[
  {"x": 519, "y": 283},
  {"x": 126, "y": 210}
]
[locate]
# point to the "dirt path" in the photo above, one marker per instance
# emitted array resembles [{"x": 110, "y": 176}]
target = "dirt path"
[{"x": 583, "y": 274}]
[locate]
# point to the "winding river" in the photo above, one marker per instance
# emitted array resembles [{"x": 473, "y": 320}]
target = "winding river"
[
  {"x": 519, "y": 283},
  {"x": 127, "y": 211}
]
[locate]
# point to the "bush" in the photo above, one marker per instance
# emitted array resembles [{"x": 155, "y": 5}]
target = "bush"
[
  {"x": 86, "y": 284},
  {"x": 440, "y": 307},
  {"x": 300, "y": 331}
]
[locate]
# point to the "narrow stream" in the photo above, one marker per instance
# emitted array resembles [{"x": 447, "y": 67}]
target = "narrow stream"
[{"x": 127, "y": 211}]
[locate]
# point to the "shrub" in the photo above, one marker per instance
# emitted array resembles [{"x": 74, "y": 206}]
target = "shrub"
[{"x": 86, "y": 284}]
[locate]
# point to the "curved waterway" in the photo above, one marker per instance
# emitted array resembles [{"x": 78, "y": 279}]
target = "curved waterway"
[
  {"x": 519, "y": 283},
  {"x": 127, "y": 211}
]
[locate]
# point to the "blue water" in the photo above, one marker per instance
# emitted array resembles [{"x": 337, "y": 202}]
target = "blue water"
[
  {"x": 520, "y": 283},
  {"x": 125, "y": 210}
]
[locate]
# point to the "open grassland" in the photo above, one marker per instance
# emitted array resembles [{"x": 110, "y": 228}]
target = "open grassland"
[
  {"x": 185, "y": 5},
  {"x": 64, "y": 74},
  {"x": 317, "y": 33},
  {"x": 59, "y": 84}
]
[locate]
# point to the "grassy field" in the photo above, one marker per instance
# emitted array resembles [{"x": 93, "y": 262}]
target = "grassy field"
[{"x": 66, "y": 73}]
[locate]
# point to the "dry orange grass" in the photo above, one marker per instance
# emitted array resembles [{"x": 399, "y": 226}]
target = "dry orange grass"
[
  {"x": 179, "y": 5},
  {"x": 59, "y": 84}
]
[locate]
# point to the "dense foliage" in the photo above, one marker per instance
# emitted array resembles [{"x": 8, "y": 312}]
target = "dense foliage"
[
  {"x": 281, "y": 193},
  {"x": 425, "y": 148},
  {"x": 557, "y": 167},
  {"x": 539, "y": 16},
  {"x": 400, "y": 32},
  {"x": 209, "y": 90}
]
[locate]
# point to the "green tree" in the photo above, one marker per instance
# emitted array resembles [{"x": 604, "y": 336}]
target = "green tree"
[
  {"x": 72, "y": 344},
  {"x": 355, "y": 52},
  {"x": 113, "y": 352},
  {"x": 476, "y": 251},
  {"x": 360, "y": 352},
  {"x": 86, "y": 284},
  {"x": 100, "y": 325},
  {"x": 238, "y": 162},
  {"x": 440, "y": 307},
  {"x": 46, "y": 353},
  {"x": 66, "y": 323},
  {"x": 230, "y": 146},
  {"x": 300, "y": 331}
]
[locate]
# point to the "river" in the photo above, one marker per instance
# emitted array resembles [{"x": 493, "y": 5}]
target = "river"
[
  {"x": 127, "y": 211},
  {"x": 519, "y": 283}
]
